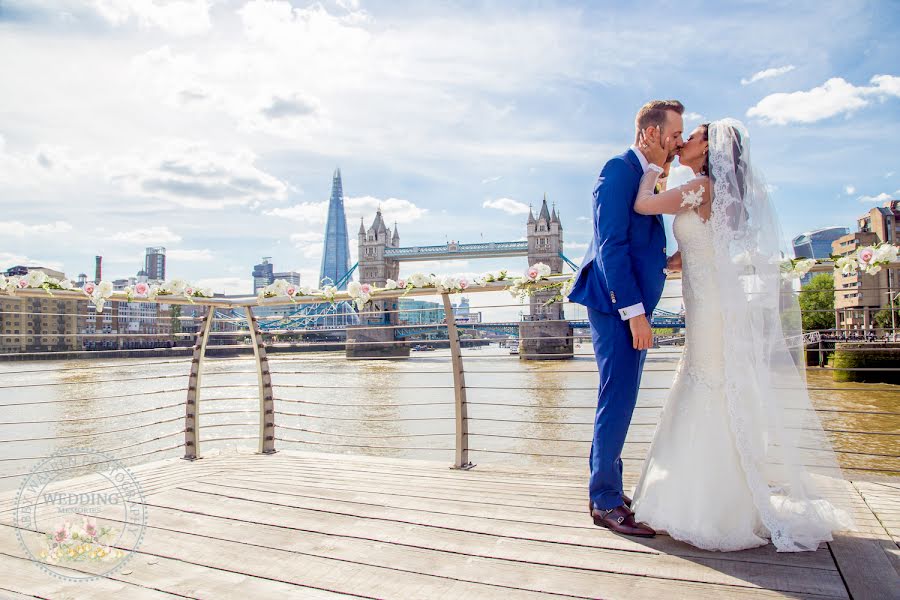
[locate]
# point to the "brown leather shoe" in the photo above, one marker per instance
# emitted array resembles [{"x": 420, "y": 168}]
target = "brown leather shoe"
[
  {"x": 621, "y": 520},
  {"x": 625, "y": 499}
]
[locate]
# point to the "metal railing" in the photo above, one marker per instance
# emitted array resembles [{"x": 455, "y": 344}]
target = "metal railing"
[{"x": 301, "y": 412}]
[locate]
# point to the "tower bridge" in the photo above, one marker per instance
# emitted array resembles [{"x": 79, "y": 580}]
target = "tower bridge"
[{"x": 380, "y": 255}]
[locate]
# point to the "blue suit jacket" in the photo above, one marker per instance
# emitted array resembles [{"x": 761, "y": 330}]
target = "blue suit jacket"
[{"x": 624, "y": 264}]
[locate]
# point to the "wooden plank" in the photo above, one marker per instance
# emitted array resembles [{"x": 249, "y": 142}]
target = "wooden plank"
[
  {"x": 179, "y": 579},
  {"x": 865, "y": 567},
  {"x": 358, "y": 526},
  {"x": 393, "y": 571},
  {"x": 579, "y": 531},
  {"x": 239, "y": 557},
  {"x": 30, "y": 581}
]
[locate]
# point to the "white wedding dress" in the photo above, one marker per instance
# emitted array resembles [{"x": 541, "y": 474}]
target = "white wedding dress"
[
  {"x": 692, "y": 485},
  {"x": 739, "y": 457}
]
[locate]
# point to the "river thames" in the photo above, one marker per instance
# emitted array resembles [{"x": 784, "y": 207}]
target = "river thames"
[{"x": 401, "y": 408}]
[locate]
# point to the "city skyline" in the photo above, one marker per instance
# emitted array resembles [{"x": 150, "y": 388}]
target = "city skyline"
[{"x": 212, "y": 131}]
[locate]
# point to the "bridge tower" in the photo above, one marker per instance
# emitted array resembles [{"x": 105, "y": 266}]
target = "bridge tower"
[
  {"x": 545, "y": 242},
  {"x": 375, "y": 269}
]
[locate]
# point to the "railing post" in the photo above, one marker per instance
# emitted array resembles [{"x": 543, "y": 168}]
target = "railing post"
[
  {"x": 266, "y": 398},
  {"x": 459, "y": 388},
  {"x": 192, "y": 406}
]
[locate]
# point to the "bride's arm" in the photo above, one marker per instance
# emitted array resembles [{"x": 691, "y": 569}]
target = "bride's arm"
[{"x": 693, "y": 194}]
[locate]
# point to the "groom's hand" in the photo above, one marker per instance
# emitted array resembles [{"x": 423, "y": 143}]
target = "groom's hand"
[{"x": 641, "y": 333}]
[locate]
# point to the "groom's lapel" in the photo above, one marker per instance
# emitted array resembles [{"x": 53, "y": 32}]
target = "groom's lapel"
[{"x": 632, "y": 159}]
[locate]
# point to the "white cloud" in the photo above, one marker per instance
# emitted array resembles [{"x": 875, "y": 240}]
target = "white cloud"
[
  {"x": 197, "y": 176},
  {"x": 882, "y": 197},
  {"x": 179, "y": 17},
  {"x": 228, "y": 285},
  {"x": 576, "y": 246},
  {"x": 834, "y": 97},
  {"x": 849, "y": 190},
  {"x": 487, "y": 180},
  {"x": 316, "y": 213},
  {"x": 203, "y": 255},
  {"x": 582, "y": 218},
  {"x": 17, "y": 229},
  {"x": 692, "y": 117},
  {"x": 507, "y": 205},
  {"x": 156, "y": 234},
  {"x": 768, "y": 74},
  {"x": 310, "y": 213},
  {"x": 392, "y": 209},
  {"x": 307, "y": 237}
]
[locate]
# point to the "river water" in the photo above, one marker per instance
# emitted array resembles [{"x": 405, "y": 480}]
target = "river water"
[{"x": 517, "y": 410}]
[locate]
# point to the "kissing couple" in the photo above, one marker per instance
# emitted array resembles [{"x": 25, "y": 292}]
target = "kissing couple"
[{"x": 739, "y": 458}]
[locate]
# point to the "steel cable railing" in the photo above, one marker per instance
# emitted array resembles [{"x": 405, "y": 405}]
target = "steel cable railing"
[{"x": 310, "y": 380}]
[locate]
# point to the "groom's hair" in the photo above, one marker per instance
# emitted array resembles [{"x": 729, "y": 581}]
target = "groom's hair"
[{"x": 654, "y": 113}]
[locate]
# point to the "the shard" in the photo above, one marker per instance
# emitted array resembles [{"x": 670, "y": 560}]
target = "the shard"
[{"x": 336, "y": 257}]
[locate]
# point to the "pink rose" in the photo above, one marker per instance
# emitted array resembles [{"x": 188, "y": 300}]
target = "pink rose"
[
  {"x": 90, "y": 527},
  {"x": 89, "y": 288},
  {"x": 401, "y": 283},
  {"x": 62, "y": 533},
  {"x": 188, "y": 291},
  {"x": 22, "y": 284},
  {"x": 866, "y": 256},
  {"x": 291, "y": 290},
  {"x": 532, "y": 273},
  {"x": 365, "y": 288},
  {"x": 141, "y": 289},
  {"x": 463, "y": 284}
]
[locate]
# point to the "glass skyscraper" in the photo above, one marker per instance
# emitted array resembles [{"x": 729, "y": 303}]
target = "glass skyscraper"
[
  {"x": 816, "y": 244},
  {"x": 336, "y": 257}
]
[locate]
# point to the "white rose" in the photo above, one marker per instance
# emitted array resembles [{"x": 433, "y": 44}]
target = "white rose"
[
  {"x": 418, "y": 280},
  {"x": 64, "y": 284},
  {"x": 104, "y": 290},
  {"x": 36, "y": 278},
  {"x": 543, "y": 269},
  {"x": 353, "y": 288},
  {"x": 390, "y": 284},
  {"x": 2, "y": 282},
  {"x": 886, "y": 253}
]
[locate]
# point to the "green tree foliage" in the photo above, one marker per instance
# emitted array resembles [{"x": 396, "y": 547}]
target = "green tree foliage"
[{"x": 817, "y": 303}]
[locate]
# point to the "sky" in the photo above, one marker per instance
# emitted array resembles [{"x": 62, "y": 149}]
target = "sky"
[{"x": 213, "y": 127}]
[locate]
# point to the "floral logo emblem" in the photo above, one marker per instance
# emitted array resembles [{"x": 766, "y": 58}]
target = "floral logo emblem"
[{"x": 80, "y": 514}]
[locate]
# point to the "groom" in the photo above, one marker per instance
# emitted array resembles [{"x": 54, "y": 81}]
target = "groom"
[{"x": 620, "y": 282}]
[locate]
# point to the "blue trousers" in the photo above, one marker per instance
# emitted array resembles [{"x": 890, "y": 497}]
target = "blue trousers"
[{"x": 620, "y": 367}]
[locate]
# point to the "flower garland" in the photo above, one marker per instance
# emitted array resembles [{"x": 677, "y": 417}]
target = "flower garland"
[
  {"x": 100, "y": 293},
  {"x": 868, "y": 259}
]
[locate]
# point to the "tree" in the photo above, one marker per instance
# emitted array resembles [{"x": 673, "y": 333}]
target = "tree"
[
  {"x": 883, "y": 317},
  {"x": 817, "y": 303}
]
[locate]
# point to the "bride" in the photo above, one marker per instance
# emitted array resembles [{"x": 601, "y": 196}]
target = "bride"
[{"x": 739, "y": 457}]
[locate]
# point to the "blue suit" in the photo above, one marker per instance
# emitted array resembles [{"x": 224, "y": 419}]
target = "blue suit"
[{"x": 624, "y": 265}]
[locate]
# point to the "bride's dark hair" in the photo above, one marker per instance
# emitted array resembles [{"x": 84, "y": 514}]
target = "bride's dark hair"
[{"x": 704, "y": 168}]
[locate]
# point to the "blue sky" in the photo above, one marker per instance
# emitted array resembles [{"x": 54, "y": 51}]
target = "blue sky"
[{"x": 213, "y": 127}]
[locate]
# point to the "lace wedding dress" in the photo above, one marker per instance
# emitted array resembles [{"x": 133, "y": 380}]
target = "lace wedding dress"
[
  {"x": 739, "y": 456},
  {"x": 692, "y": 485}
]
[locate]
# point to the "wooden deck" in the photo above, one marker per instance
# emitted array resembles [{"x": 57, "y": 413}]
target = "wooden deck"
[{"x": 309, "y": 525}]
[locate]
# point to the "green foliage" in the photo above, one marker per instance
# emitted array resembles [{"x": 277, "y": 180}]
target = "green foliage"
[
  {"x": 883, "y": 317},
  {"x": 817, "y": 303}
]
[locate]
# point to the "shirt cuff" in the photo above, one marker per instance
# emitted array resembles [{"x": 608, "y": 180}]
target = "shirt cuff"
[
  {"x": 632, "y": 311},
  {"x": 655, "y": 167}
]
